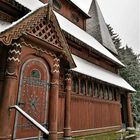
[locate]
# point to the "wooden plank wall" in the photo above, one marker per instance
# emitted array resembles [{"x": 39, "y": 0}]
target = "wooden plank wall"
[
  {"x": 61, "y": 108},
  {"x": 89, "y": 113}
]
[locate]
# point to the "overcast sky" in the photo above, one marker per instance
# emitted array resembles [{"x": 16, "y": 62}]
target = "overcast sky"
[{"x": 123, "y": 16}]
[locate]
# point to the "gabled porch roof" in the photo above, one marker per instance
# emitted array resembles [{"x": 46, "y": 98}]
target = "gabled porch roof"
[{"x": 24, "y": 25}]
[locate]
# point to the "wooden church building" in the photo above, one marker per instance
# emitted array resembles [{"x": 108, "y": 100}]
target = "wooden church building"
[{"x": 58, "y": 66}]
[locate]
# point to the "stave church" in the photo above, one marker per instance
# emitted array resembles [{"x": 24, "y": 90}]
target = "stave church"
[{"x": 59, "y": 72}]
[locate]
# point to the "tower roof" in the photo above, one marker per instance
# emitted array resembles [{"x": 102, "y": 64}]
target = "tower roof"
[{"x": 96, "y": 26}]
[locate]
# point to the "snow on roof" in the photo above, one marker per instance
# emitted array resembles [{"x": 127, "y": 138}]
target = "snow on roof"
[
  {"x": 83, "y": 6},
  {"x": 100, "y": 73},
  {"x": 3, "y": 25},
  {"x": 30, "y": 4},
  {"x": 80, "y": 34}
]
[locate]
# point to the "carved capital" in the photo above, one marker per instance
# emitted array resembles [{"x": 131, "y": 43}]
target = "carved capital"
[
  {"x": 14, "y": 53},
  {"x": 13, "y": 59},
  {"x": 68, "y": 81},
  {"x": 56, "y": 66},
  {"x": 55, "y": 73}
]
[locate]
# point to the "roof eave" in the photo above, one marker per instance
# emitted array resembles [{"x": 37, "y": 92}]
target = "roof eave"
[
  {"x": 78, "y": 8},
  {"x": 92, "y": 49}
]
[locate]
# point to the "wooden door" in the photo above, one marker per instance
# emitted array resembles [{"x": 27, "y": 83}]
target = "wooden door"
[{"x": 32, "y": 98}]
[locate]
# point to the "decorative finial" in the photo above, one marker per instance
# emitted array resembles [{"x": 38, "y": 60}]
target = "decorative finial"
[
  {"x": 50, "y": 8},
  {"x": 50, "y": 2}
]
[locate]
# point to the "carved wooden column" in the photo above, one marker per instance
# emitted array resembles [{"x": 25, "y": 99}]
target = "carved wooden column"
[
  {"x": 129, "y": 112},
  {"x": 53, "y": 101},
  {"x": 67, "y": 128},
  {"x": 9, "y": 92}
]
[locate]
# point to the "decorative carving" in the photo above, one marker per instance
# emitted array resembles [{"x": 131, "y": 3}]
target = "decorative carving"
[
  {"x": 68, "y": 76},
  {"x": 13, "y": 59},
  {"x": 62, "y": 40},
  {"x": 39, "y": 51},
  {"x": 68, "y": 81},
  {"x": 22, "y": 26},
  {"x": 46, "y": 32},
  {"x": 56, "y": 65},
  {"x": 14, "y": 53},
  {"x": 33, "y": 94}
]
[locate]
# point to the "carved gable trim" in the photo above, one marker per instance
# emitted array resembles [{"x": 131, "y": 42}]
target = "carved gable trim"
[
  {"x": 46, "y": 31},
  {"x": 66, "y": 50},
  {"x": 23, "y": 25}
]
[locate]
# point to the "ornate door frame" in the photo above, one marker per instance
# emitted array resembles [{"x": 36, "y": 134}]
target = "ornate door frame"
[{"x": 38, "y": 60}]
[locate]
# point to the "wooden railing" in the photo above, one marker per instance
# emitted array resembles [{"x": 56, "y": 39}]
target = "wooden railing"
[{"x": 34, "y": 122}]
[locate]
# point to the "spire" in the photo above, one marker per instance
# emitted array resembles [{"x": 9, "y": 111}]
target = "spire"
[{"x": 96, "y": 27}]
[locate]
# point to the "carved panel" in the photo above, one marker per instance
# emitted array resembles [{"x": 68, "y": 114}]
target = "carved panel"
[
  {"x": 13, "y": 59},
  {"x": 22, "y": 26},
  {"x": 46, "y": 32},
  {"x": 32, "y": 97}
]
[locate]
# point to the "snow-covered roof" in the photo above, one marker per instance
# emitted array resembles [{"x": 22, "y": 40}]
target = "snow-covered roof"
[
  {"x": 30, "y": 4},
  {"x": 92, "y": 70},
  {"x": 84, "y": 7},
  {"x": 83, "y": 36}
]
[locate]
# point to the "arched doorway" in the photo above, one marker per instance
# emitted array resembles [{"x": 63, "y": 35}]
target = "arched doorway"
[{"x": 32, "y": 98}]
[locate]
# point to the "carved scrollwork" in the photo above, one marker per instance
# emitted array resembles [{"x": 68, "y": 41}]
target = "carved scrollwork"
[{"x": 39, "y": 51}]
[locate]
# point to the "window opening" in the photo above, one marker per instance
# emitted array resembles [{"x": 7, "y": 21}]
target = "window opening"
[
  {"x": 83, "y": 86},
  {"x": 75, "y": 84},
  {"x": 35, "y": 74}
]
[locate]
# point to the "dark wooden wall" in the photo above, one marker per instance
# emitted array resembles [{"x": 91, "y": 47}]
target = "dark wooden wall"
[
  {"x": 67, "y": 10},
  {"x": 89, "y": 113},
  {"x": 61, "y": 108}
]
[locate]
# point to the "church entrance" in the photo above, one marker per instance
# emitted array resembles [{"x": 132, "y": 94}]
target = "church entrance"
[{"x": 32, "y": 98}]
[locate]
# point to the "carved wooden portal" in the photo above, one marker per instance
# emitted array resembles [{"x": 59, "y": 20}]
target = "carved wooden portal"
[{"x": 32, "y": 97}]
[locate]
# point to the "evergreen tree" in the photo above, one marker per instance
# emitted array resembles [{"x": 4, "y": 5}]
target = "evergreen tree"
[
  {"x": 131, "y": 73},
  {"x": 115, "y": 37}
]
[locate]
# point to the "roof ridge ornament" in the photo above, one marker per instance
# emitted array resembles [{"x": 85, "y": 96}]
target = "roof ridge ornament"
[
  {"x": 50, "y": 2},
  {"x": 50, "y": 8}
]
